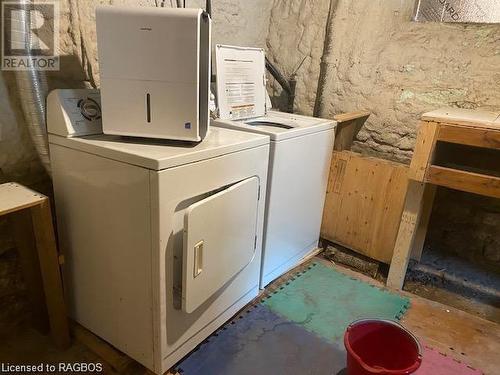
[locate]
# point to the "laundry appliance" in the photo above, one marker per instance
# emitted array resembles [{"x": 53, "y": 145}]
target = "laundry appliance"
[
  {"x": 162, "y": 240},
  {"x": 155, "y": 71},
  {"x": 299, "y": 161}
]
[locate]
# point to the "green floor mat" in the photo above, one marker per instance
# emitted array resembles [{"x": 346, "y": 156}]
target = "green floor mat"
[{"x": 325, "y": 301}]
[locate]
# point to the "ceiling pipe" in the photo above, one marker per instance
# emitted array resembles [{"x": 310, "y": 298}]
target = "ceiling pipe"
[
  {"x": 208, "y": 8},
  {"x": 325, "y": 71}
]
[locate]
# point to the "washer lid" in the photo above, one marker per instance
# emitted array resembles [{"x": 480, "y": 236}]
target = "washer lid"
[
  {"x": 279, "y": 125},
  {"x": 241, "y": 82},
  {"x": 159, "y": 154}
]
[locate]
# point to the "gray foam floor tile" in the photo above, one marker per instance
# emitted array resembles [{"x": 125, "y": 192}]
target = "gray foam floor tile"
[{"x": 262, "y": 342}]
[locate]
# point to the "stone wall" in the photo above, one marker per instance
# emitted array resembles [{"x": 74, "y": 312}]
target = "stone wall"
[
  {"x": 376, "y": 58},
  {"x": 295, "y": 45}
]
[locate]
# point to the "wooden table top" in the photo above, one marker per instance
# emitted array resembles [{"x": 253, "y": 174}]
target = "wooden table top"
[
  {"x": 465, "y": 117},
  {"x": 14, "y": 197}
]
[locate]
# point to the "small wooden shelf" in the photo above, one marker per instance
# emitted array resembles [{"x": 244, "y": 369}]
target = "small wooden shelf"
[
  {"x": 477, "y": 130},
  {"x": 30, "y": 215}
]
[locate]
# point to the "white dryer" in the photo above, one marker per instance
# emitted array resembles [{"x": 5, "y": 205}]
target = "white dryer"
[
  {"x": 299, "y": 162},
  {"x": 162, "y": 240}
]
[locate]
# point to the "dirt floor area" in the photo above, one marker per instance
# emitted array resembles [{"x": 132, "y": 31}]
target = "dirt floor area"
[{"x": 460, "y": 335}]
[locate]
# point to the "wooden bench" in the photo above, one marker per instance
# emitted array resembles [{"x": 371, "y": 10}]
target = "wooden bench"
[
  {"x": 33, "y": 232},
  {"x": 473, "y": 168}
]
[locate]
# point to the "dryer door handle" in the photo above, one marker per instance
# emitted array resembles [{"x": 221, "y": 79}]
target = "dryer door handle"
[{"x": 198, "y": 259}]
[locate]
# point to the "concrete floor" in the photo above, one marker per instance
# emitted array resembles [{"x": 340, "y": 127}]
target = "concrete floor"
[
  {"x": 458, "y": 334},
  {"x": 456, "y": 282}
]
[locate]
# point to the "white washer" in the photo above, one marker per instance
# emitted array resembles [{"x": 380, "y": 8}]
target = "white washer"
[
  {"x": 162, "y": 240},
  {"x": 299, "y": 162}
]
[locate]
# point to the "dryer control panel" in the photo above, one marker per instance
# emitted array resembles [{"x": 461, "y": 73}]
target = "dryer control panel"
[{"x": 74, "y": 112}]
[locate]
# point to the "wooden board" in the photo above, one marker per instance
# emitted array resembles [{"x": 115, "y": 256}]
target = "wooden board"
[
  {"x": 466, "y": 181},
  {"x": 425, "y": 216},
  {"x": 119, "y": 362},
  {"x": 50, "y": 271},
  {"x": 363, "y": 204},
  {"x": 348, "y": 126},
  {"x": 22, "y": 231},
  {"x": 424, "y": 150},
  {"x": 15, "y": 197},
  {"x": 344, "y": 117},
  {"x": 465, "y": 117},
  {"x": 455, "y": 333},
  {"x": 410, "y": 219},
  {"x": 467, "y": 136}
]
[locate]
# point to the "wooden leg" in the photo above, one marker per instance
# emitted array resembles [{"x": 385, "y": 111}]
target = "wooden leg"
[
  {"x": 116, "y": 359},
  {"x": 407, "y": 229},
  {"x": 51, "y": 275},
  {"x": 427, "y": 203},
  {"x": 22, "y": 230}
]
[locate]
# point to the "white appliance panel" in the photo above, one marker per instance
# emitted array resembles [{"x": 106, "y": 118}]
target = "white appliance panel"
[
  {"x": 103, "y": 222},
  {"x": 162, "y": 155},
  {"x": 74, "y": 112},
  {"x": 126, "y": 112},
  {"x": 140, "y": 41},
  {"x": 299, "y": 169},
  {"x": 278, "y": 125},
  {"x": 219, "y": 240},
  {"x": 155, "y": 71},
  {"x": 169, "y": 205}
]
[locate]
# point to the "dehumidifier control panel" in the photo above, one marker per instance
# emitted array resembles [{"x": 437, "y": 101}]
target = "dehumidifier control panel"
[{"x": 74, "y": 112}]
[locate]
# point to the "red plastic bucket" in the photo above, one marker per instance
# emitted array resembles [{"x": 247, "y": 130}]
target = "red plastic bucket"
[{"x": 381, "y": 347}]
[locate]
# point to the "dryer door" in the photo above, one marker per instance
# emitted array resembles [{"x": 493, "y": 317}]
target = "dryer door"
[{"x": 219, "y": 240}]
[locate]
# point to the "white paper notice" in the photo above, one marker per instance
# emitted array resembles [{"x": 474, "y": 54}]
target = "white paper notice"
[{"x": 241, "y": 86}]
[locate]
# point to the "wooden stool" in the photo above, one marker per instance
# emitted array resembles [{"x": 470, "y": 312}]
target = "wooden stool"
[
  {"x": 478, "y": 130},
  {"x": 29, "y": 213}
]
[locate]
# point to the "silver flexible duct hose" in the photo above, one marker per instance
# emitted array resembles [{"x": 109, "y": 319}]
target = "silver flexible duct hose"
[{"x": 32, "y": 90}]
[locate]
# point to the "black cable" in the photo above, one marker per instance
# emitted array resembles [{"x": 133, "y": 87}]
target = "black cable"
[
  {"x": 278, "y": 76},
  {"x": 287, "y": 85}
]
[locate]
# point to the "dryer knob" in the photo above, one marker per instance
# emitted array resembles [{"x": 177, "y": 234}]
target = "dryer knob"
[{"x": 90, "y": 109}]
